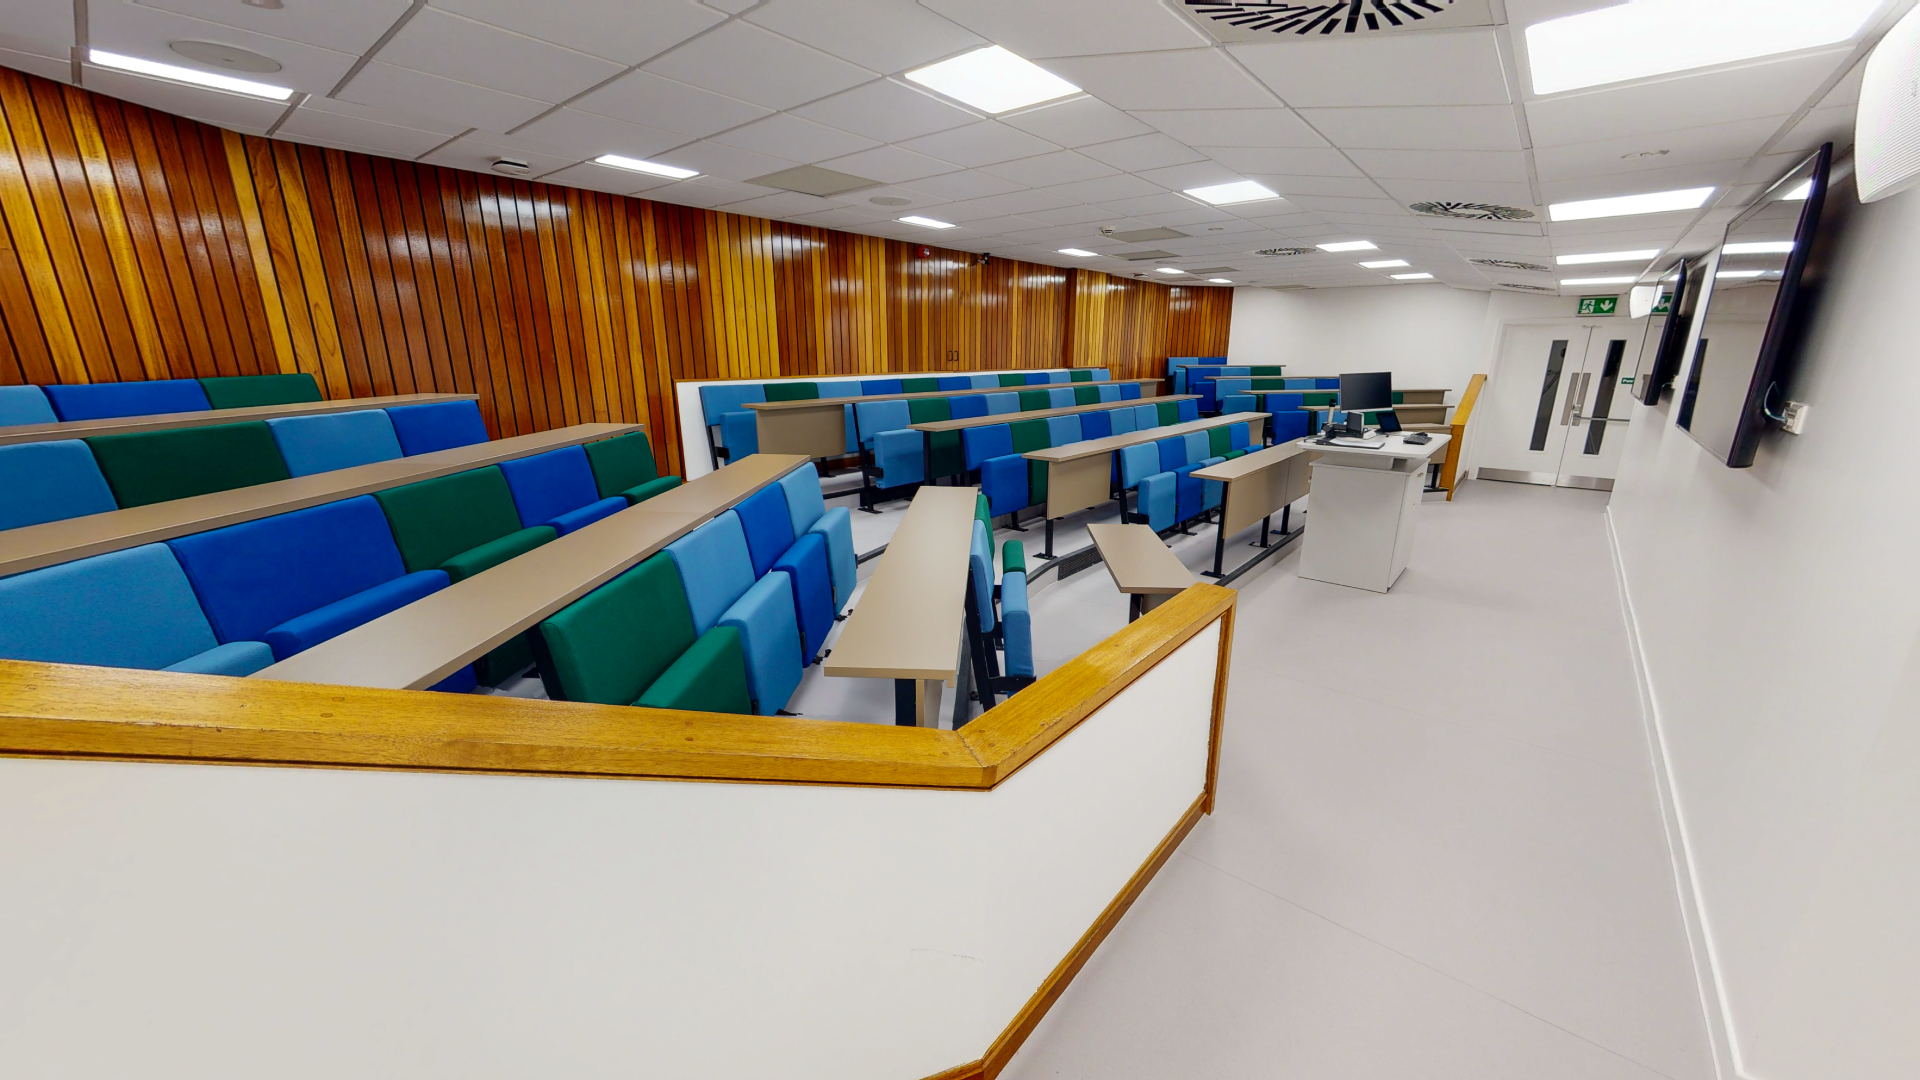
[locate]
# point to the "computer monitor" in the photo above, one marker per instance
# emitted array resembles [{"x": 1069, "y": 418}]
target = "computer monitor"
[{"x": 1366, "y": 390}]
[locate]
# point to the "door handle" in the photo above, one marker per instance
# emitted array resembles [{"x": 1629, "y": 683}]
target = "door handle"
[{"x": 1576, "y": 393}]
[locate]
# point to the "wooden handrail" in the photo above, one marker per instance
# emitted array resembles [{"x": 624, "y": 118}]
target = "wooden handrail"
[
  {"x": 1458, "y": 429},
  {"x": 68, "y": 711}
]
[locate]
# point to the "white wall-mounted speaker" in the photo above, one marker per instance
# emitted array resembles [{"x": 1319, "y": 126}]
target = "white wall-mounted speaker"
[{"x": 1886, "y": 134}]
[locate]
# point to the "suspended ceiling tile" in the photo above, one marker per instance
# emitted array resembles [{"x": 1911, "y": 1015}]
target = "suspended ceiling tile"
[
  {"x": 476, "y": 151},
  {"x": 1354, "y": 187},
  {"x": 955, "y": 186},
  {"x": 1507, "y": 165},
  {"x": 56, "y": 68},
  {"x": 667, "y": 104},
  {"x": 779, "y": 205},
  {"x": 1072, "y": 214},
  {"x": 987, "y": 142},
  {"x": 334, "y": 129},
  {"x": 841, "y": 217},
  {"x": 786, "y": 136},
  {"x": 1772, "y": 88},
  {"x": 1195, "y": 174},
  {"x": 1187, "y": 79},
  {"x": 1460, "y": 68},
  {"x": 1026, "y": 203},
  {"x": 1467, "y": 191},
  {"x": 1077, "y": 121},
  {"x": 350, "y": 26},
  {"x": 248, "y": 114},
  {"x": 1059, "y": 167},
  {"x": 593, "y": 177},
  {"x": 888, "y": 111},
  {"x": 132, "y": 30},
  {"x": 1645, "y": 154},
  {"x": 1148, "y": 207},
  {"x": 1151, "y": 151},
  {"x": 741, "y": 60},
  {"x": 444, "y": 44},
  {"x": 1073, "y": 27},
  {"x": 399, "y": 89},
  {"x": 1106, "y": 189},
  {"x": 1309, "y": 162},
  {"x": 727, "y": 162},
  {"x": 625, "y": 30},
  {"x": 707, "y": 191},
  {"x": 1834, "y": 124},
  {"x": 1441, "y": 127},
  {"x": 886, "y": 37},
  {"x": 889, "y": 164},
  {"x": 1704, "y": 174},
  {"x": 577, "y": 134}
]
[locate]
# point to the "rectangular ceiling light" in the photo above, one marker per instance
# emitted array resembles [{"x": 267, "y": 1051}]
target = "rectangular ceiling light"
[
  {"x": 1626, "y": 280},
  {"x": 1383, "y": 264},
  {"x": 1220, "y": 281},
  {"x": 1412, "y": 277},
  {"x": 1077, "y": 253},
  {"x": 1759, "y": 247},
  {"x": 1237, "y": 192},
  {"x": 1606, "y": 257},
  {"x": 927, "y": 222},
  {"x": 1167, "y": 270},
  {"x": 1654, "y": 202},
  {"x": 651, "y": 168},
  {"x": 1645, "y": 38},
  {"x": 189, "y": 76},
  {"x": 993, "y": 80},
  {"x": 1349, "y": 245}
]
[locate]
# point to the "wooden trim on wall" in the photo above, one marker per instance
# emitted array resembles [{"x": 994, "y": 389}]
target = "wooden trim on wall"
[{"x": 1458, "y": 430}]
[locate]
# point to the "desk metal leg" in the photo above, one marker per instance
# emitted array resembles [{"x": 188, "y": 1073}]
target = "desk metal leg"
[
  {"x": 905, "y": 714},
  {"x": 1047, "y": 552},
  {"x": 929, "y": 703},
  {"x": 1133, "y": 606},
  {"x": 1266, "y": 523},
  {"x": 1219, "y": 549},
  {"x": 1286, "y": 514}
]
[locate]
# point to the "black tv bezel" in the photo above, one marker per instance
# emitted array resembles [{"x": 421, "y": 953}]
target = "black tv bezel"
[{"x": 1673, "y": 335}]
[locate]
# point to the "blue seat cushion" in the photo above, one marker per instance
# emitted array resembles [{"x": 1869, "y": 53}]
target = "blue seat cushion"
[
  {"x": 317, "y": 444},
  {"x": 768, "y": 526},
  {"x": 575, "y": 520},
  {"x": 769, "y": 639},
  {"x": 805, "y": 501},
  {"x": 98, "y": 401},
  {"x": 25, "y": 405},
  {"x": 443, "y": 425},
  {"x": 1189, "y": 494},
  {"x": 1189, "y": 410},
  {"x": 715, "y": 568},
  {"x": 1004, "y": 481},
  {"x": 130, "y": 609},
  {"x": 236, "y": 658},
  {"x": 1157, "y": 500},
  {"x": 740, "y": 434},
  {"x": 719, "y": 399},
  {"x": 303, "y": 632},
  {"x": 811, "y": 579},
  {"x": 1129, "y": 391},
  {"x": 900, "y": 457},
  {"x": 1095, "y": 425},
  {"x": 836, "y": 528},
  {"x": 878, "y": 416},
  {"x": 967, "y": 406},
  {"x": 545, "y": 486},
  {"x": 50, "y": 481},
  {"x": 981, "y": 443},
  {"x": 1017, "y": 620}
]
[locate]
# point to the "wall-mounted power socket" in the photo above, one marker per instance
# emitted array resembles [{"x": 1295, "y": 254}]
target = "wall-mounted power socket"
[{"x": 1793, "y": 419}]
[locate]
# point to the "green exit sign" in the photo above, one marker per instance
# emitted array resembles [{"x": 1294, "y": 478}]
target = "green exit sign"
[
  {"x": 1599, "y": 305},
  {"x": 1665, "y": 305}
]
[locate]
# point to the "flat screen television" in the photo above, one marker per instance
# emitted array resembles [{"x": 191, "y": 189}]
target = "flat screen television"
[
  {"x": 1753, "y": 311},
  {"x": 1666, "y": 338}
]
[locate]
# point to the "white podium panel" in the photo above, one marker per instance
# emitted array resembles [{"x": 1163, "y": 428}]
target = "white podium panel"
[{"x": 1363, "y": 516}]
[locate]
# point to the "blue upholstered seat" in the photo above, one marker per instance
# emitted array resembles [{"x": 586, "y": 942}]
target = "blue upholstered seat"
[
  {"x": 1095, "y": 425},
  {"x": 719, "y": 399},
  {"x": 880, "y": 386},
  {"x": 1146, "y": 417},
  {"x": 840, "y": 388},
  {"x": 130, "y": 609},
  {"x": 984, "y": 382},
  {"x": 768, "y": 526},
  {"x": 1037, "y": 378},
  {"x": 1211, "y": 491},
  {"x": 1157, "y": 500},
  {"x": 955, "y": 382},
  {"x": 1122, "y": 421},
  {"x": 25, "y": 405},
  {"x": 1016, "y": 631},
  {"x": 1004, "y": 402},
  {"x": 1300, "y": 384},
  {"x": 1108, "y": 392},
  {"x": 1173, "y": 452},
  {"x": 1234, "y": 403},
  {"x": 740, "y": 434},
  {"x": 1060, "y": 397},
  {"x": 1188, "y": 492},
  {"x": 1236, "y": 371},
  {"x": 1137, "y": 462},
  {"x": 295, "y": 580},
  {"x": 50, "y": 481},
  {"x": 1101, "y": 374},
  {"x": 1332, "y": 383},
  {"x": 980, "y": 563},
  {"x": 900, "y": 456},
  {"x": 808, "y": 513},
  {"x": 716, "y": 570},
  {"x": 443, "y": 425},
  {"x": 317, "y": 444},
  {"x": 557, "y": 488},
  {"x": 1004, "y": 482},
  {"x": 811, "y": 582},
  {"x": 1239, "y": 436},
  {"x": 1291, "y": 424},
  {"x": 877, "y": 416},
  {"x": 805, "y": 501},
  {"x": 96, "y": 401},
  {"x": 1062, "y": 430},
  {"x": 1189, "y": 410},
  {"x": 980, "y": 443},
  {"x": 1060, "y": 376},
  {"x": 967, "y": 406},
  {"x": 1198, "y": 445},
  {"x": 1129, "y": 391}
]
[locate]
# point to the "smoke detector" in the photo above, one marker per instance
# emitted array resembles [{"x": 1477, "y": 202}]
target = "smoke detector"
[
  {"x": 511, "y": 166},
  {"x": 1511, "y": 264},
  {"x": 226, "y": 57},
  {"x": 1272, "y": 253},
  {"x": 1471, "y": 211},
  {"x": 1249, "y": 20}
]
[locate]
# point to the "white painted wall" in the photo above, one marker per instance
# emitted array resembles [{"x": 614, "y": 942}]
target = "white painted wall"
[
  {"x": 1777, "y": 610},
  {"x": 214, "y": 923},
  {"x": 1427, "y": 335}
]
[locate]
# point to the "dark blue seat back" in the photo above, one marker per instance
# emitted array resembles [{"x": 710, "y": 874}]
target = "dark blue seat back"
[
  {"x": 1096, "y": 425},
  {"x": 955, "y": 382},
  {"x": 1037, "y": 378},
  {"x": 1173, "y": 452},
  {"x": 1189, "y": 410},
  {"x": 1291, "y": 424},
  {"x": 880, "y": 386},
  {"x": 98, "y": 401},
  {"x": 1129, "y": 391},
  {"x": 768, "y": 525},
  {"x": 547, "y": 485},
  {"x": 968, "y": 407},
  {"x": 982, "y": 443},
  {"x": 811, "y": 581},
  {"x": 422, "y": 429}
]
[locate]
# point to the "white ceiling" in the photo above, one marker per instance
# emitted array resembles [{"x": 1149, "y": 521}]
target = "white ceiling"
[{"x": 1349, "y": 129}]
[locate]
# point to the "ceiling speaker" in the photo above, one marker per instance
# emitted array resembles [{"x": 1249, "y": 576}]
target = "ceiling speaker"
[{"x": 1886, "y": 134}]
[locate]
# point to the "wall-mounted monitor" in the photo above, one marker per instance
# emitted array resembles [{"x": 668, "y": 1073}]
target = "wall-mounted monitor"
[
  {"x": 1667, "y": 332},
  {"x": 1752, "y": 314}
]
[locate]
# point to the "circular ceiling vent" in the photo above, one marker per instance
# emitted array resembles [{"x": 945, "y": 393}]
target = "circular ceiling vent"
[
  {"x": 1245, "y": 20},
  {"x": 1525, "y": 288},
  {"x": 1511, "y": 264},
  {"x": 1268, "y": 253},
  {"x": 1471, "y": 211}
]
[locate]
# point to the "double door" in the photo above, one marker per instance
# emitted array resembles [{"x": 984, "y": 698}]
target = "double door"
[{"x": 1558, "y": 402}]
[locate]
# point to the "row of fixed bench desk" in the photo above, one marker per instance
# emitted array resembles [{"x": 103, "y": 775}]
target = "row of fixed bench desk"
[{"x": 132, "y": 425}]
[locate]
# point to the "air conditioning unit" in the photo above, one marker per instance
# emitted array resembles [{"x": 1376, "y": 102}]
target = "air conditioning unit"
[{"x": 1886, "y": 138}]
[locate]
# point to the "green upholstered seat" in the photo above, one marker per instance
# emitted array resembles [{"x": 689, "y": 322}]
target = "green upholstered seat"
[
  {"x": 494, "y": 552},
  {"x": 1269, "y": 384},
  {"x": 980, "y": 511},
  {"x": 1399, "y": 398},
  {"x": 1086, "y": 395},
  {"x": 625, "y": 466},
  {"x": 240, "y": 391},
  {"x": 1013, "y": 380},
  {"x": 1013, "y": 557},
  {"x": 1219, "y": 442},
  {"x": 640, "y": 493},
  {"x": 1169, "y": 412},
  {"x": 1083, "y": 375},
  {"x": 929, "y": 410},
  {"x": 1265, "y": 369},
  {"x": 792, "y": 391},
  {"x": 1029, "y": 435},
  {"x": 632, "y": 641},
  {"x": 155, "y": 466},
  {"x": 919, "y": 386},
  {"x": 1035, "y": 399},
  {"x": 1322, "y": 399},
  {"x": 1036, "y": 482}
]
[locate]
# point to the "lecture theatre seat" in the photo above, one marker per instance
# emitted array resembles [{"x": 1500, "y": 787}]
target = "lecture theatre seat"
[
  {"x": 246, "y": 391},
  {"x": 100, "y": 401},
  {"x": 624, "y": 466},
  {"x": 807, "y": 509},
  {"x": 128, "y": 609},
  {"x": 557, "y": 489},
  {"x": 772, "y": 545},
  {"x": 323, "y": 443},
  {"x": 157, "y": 466},
  {"x": 25, "y": 405},
  {"x": 1016, "y": 620},
  {"x": 295, "y": 580},
  {"x": 443, "y": 425},
  {"x": 716, "y": 570},
  {"x": 50, "y": 481},
  {"x": 632, "y": 642}
]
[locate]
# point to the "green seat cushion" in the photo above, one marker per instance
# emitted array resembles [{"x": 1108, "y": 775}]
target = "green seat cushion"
[
  {"x": 1013, "y": 557},
  {"x": 1036, "y": 483},
  {"x": 919, "y": 386},
  {"x": 1013, "y": 380},
  {"x": 1219, "y": 441},
  {"x": 1035, "y": 399},
  {"x": 435, "y": 520},
  {"x": 1086, "y": 395},
  {"x": 929, "y": 410},
  {"x": 155, "y": 466},
  {"x": 494, "y": 552},
  {"x": 640, "y": 493},
  {"x": 1029, "y": 435},
  {"x": 240, "y": 391},
  {"x": 980, "y": 512},
  {"x": 612, "y": 644},
  {"x": 792, "y": 391},
  {"x": 947, "y": 457},
  {"x": 1083, "y": 375},
  {"x": 621, "y": 463},
  {"x": 1231, "y": 454},
  {"x": 709, "y": 677},
  {"x": 1169, "y": 412}
]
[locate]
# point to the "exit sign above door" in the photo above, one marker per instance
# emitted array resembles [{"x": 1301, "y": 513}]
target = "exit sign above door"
[{"x": 1599, "y": 305}]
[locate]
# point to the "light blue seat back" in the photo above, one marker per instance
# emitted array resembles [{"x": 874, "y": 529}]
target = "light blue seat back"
[
  {"x": 1157, "y": 500},
  {"x": 1002, "y": 403},
  {"x": 1198, "y": 445},
  {"x": 805, "y": 501},
  {"x": 1223, "y": 387},
  {"x": 740, "y": 434},
  {"x": 1211, "y": 490},
  {"x": 50, "y": 481},
  {"x": 1146, "y": 417},
  {"x": 1299, "y": 384},
  {"x": 715, "y": 568},
  {"x": 1123, "y": 421},
  {"x": 1101, "y": 374},
  {"x": 1233, "y": 403},
  {"x": 127, "y": 609},
  {"x": 1017, "y": 634},
  {"x": 1060, "y": 397},
  {"x": 1109, "y": 392},
  {"x": 769, "y": 640},
  {"x": 900, "y": 456},
  {"x": 1137, "y": 462},
  {"x": 317, "y": 444},
  {"x": 1236, "y": 371},
  {"x": 878, "y": 416},
  {"x": 984, "y": 382},
  {"x": 721, "y": 398},
  {"x": 842, "y": 563},
  {"x": 840, "y": 388},
  {"x": 1062, "y": 430},
  {"x": 25, "y": 405},
  {"x": 1059, "y": 376},
  {"x": 982, "y": 561}
]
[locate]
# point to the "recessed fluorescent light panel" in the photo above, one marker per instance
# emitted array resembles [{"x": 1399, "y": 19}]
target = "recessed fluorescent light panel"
[
  {"x": 994, "y": 80},
  {"x": 1654, "y": 202},
  {"x": 1220, "y": 281},
  {"x": 1799, "y": 193},
  {"x": 1645, "y": 38},
  {"x": 1167, "y": 270},
  {"x": 1741, "y": 273},
  {"x": 1077, "y": 253},
  {"x": 1606, "y": 257},
  {"x": 1383, "y": 264},
  {"x": 1412, "y": 277},
  {"x": 927, "y": 222},
  {"x": 1349, "y": 245},
  {"x": 173, "y": 73},
  {"x": 1238, "y": 192},
  {"x": 1627, "y": 280},
  {"x": 651, "y": 168},
  {"x": 1759, "y": 247}
]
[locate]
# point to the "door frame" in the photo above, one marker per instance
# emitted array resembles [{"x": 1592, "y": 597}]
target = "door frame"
[{"x": 1590, "y": 322}]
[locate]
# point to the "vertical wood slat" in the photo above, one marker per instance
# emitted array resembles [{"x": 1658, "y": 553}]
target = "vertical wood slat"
[{"x": 135, "y": 244}]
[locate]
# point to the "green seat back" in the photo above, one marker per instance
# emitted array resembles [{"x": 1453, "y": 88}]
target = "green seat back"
[
  {"x": 1029, "y": 435},
  {"x": 1086, "y": 395},
  {"x": 929, "y": 410},
  {"x": 1036, "y": 483},
  {"x": 1013, "y": 380},
  {"x": 792, "y": 391},
  {"x": 1219, "y": 442},
  {"x": 919, "y": 386},
  {"x": 155, "y": 466},
  {"x": 1399, "y": 398},
  {"x": 1035, "y": 399},
  {"x": 709, "y": 677},
  {"x": 1169, "y": 412},
  {"x": 1320, "y": 399},
  {"x": 1269, "y": 384},
  {"x": 611, "y": 644},
  {"x": 240, "y": 391},
  {"x": 621, "y": 463},
  {"x": 435, "y": 520},
  {"x": 1083, "y": 375},
  {"x": 1265, "y": 369},
  {"x": 947, "y": 456},
  {"x": 980, "y": 512}
]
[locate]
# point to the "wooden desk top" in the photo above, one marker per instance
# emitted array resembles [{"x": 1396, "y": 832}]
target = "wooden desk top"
[
  {"x": 1247, "y": 464},
  {"x": 126, "y": 425},
  {"x": 1138, "y": 561},
  {"x": 53, "y": 542},
  {"x": 1111, "y": 443},
  {"x": 908, "y": 622},
  {"x": 435, "y": 636},
  {"x": 1041, "y": 414},
  {"x": 812, "y": 403}
]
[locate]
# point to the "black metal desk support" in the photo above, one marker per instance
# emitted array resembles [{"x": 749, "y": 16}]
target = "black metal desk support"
[
  {"x": 1047, "y": 553},
  {"x": 904, "y": 713}
]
